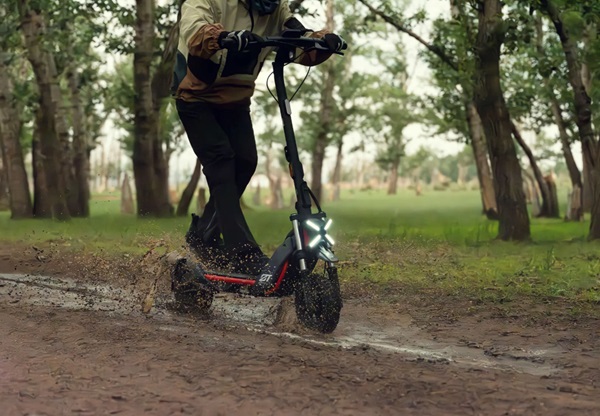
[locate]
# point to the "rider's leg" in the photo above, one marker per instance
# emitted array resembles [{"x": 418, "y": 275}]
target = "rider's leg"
[
  {"x": 243, "y": 143},
  {"x": 212, "y": 146},
  {"x": 241, "y": 138}
]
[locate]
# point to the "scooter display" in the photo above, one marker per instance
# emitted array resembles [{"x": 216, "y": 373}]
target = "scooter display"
[{"x": 295, "y": 266}]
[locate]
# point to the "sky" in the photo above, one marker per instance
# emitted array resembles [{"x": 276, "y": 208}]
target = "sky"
[{"x": 416, "y": 135}]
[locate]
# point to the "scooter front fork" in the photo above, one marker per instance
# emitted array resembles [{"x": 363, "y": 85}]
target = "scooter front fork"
[{"x": 298, "y": 240}]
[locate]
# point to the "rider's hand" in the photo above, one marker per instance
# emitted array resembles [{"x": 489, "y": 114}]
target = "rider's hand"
[
  {"x": 334, "y": 42},
  {"x": 237, "y": 40}
]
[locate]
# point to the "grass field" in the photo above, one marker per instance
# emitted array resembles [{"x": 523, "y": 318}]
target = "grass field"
[{"x": 437, "y": 240}]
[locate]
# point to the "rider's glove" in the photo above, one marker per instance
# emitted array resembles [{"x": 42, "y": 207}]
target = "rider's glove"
[
  {"x": 237, "y": 40},
  {"x": 334, "y": 42}
]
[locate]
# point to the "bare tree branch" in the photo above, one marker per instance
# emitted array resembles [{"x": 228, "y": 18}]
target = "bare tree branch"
[{"x": 402, "y": 28}]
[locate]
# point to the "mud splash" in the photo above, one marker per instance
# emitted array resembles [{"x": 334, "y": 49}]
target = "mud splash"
[{"x": 359, "y": 328}]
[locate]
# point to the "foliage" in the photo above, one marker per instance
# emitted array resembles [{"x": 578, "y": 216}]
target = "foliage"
[
  {"x": 119, "y": 103},
  {"x": 352, "y": 86}
]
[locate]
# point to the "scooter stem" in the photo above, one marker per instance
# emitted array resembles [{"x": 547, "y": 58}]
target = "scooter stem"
[{"x": 303, "y": 201}]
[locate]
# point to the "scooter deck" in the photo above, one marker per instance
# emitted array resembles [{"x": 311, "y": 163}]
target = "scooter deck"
[{"x": 249, "y": 281}]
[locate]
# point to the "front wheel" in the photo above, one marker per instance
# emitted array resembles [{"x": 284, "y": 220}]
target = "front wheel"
[{"x": 319, "y": 301}]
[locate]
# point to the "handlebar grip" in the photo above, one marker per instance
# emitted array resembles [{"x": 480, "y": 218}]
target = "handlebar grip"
[{"x": 228, "y": 43}]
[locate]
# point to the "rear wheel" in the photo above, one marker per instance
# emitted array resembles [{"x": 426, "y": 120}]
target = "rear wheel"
[
  {"x": 190, "y": 296},
  {"x": 319, "y": 301}
]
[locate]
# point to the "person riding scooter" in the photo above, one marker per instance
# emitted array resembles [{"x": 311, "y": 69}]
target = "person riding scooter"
[{"x": 213, "y": 91}]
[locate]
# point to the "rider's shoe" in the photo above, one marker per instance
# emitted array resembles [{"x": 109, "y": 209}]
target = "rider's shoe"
[{"x": 210, "y": 253}]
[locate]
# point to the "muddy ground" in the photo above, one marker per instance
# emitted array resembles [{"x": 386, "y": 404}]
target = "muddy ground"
[{"x": 75, "y": 341}]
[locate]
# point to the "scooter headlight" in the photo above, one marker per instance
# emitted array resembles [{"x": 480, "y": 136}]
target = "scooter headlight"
[{"x": 320, "y": 227}]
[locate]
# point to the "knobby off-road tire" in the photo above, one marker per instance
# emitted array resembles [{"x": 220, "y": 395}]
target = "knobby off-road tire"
[
  {"x": 190, "y": 296},
  {"x": 319, "y": 301}
]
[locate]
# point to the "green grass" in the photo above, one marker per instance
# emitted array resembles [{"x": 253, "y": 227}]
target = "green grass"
[{"x": 438, "y": 240}]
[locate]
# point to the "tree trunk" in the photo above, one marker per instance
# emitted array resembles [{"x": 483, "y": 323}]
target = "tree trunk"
[
  {"x": 587, "y": 194},
  {"x": 574, "y": 172},
  {"x": 393, "y": 178},
  {"x": 149, "y": 164},
  {"x": 276, "y": 200},
  {"x": 81, "y": 183},
  {"x": 188, "y": 193},
  {"x": 337, "y": 172},
  {"x": 583, "y": 113},
  {"x": 551, "y": 185},
  {"x": 575, "y": 212},
  {"x": 42, "y": 204},
  {"x": 549, "y": 207},
  {"x": 512, "y": 210},
  {"x": 318, "y": 157},
  {"x": 11, "y": 151},
  {"x": 574, "y": 208},
  {"x": 146, "y": 128},
  {"x": 326, "y": 115},
  {"x": 126, "y": 196},
  {"x": 201, "y": 201},
  {"x": 256, "y": 197},
  {"x": 586, "y": 72},
  {"x": 4, "y": 204},
  {"x": 532, "y": 193},
  {"x": 161, "y": 179},
  {"x": 480, "y": 154},
  {"x": 461, "y": 178},
  {"x": 66, "y": 159},
  {"x": 44, "y": 68}
]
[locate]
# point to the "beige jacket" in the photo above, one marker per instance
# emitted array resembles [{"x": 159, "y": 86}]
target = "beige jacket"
[{"x": 206, "y": 73}]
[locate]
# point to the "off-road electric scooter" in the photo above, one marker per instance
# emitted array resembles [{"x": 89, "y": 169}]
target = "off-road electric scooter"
[{"x": 292, "y": 268}]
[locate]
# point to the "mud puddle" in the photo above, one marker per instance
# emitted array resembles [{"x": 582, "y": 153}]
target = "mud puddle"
[{"x": 360, "y": 327}]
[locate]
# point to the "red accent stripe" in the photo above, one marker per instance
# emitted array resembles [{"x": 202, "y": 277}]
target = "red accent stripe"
[
  {"x": 226, "y": 279},
  {"x": 281, "y": 275}
]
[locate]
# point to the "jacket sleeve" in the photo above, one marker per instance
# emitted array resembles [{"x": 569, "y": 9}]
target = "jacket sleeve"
[{"x": 198, "y": 27}]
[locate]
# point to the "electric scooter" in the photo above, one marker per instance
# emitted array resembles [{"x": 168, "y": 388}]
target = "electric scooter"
[{"x": 291, "y": 270}]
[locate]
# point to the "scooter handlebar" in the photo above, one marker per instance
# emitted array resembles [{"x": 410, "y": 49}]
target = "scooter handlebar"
[{"x": 282, "y": 41}]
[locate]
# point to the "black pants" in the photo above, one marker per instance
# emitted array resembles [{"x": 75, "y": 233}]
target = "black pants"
[{"x": 223, "y": 140}]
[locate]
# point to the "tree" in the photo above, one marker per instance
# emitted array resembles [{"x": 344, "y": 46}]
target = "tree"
[
  {"x": 271, "y": 139},
  {"x": 582, "y": 103},
  {"x": 13, "y": 176},
  {"x": 418, "y": 166},
  {"x": 52, "y": 126},
  {"x": 393, "y": 114},
  {"x": 491, "y": 106},
  {"x": 457, "y": 110},
  {"x": 546, "y": 67},
  {"x": 148, "y": 160},
  {"x": 326, "y": 108}
]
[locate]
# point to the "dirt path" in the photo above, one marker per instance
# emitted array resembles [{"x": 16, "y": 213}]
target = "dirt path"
[
  {"x": 72, "y": 347},
  {"x": 77, "y": 343}
]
